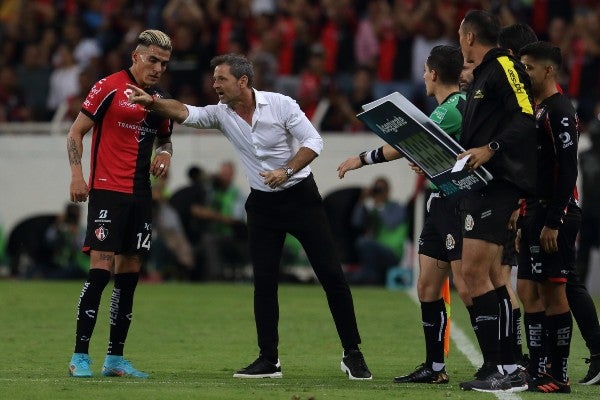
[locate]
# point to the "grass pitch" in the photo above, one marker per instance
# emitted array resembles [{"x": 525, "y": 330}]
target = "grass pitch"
[{"x": 191, "y": 337}]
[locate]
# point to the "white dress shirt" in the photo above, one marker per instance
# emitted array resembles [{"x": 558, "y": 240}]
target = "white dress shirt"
[{"x": 279, "y": 128}]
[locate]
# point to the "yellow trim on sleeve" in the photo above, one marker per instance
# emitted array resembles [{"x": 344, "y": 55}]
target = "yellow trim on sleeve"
[{"x": 517, "y": 86}]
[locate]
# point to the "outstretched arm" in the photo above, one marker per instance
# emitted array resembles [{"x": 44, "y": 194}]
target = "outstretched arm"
[
  {"x": 383, "y": 154},
  {"x": 168, "y": 108}
]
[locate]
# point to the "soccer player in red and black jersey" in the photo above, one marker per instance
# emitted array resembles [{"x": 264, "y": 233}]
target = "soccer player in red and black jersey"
[
  {"x": 549, "y": 232},
  {"x": 119, "y": 222}
]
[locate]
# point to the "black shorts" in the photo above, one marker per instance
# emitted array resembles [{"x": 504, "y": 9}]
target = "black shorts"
[
  {"x": 485, "y": 213},
  {"x": 441, "y": 237},
  {"x": 118, "y": 222},
  {"x": 509, "y": 253},
  {"x": 537, "y": 265}
]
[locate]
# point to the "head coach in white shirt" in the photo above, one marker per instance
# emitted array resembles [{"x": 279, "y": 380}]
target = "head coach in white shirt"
[{"x": 276, "y": 143}]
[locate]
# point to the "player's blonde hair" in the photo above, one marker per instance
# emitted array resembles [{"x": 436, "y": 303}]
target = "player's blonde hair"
[{"x": 155, "y": 37}]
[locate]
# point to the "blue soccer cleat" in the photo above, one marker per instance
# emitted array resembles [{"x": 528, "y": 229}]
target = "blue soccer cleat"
[
  {"x": 79, "y": 366},
  {"x": 118, "y": 366}
]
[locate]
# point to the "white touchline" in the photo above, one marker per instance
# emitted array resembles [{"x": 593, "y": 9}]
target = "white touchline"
[{"x": 465, "y": 346}]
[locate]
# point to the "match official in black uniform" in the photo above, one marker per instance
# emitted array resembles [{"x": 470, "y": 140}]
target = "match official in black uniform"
[{"x": 499, "y": 132}]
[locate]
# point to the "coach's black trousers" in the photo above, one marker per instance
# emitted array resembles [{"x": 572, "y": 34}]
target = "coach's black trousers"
[{"x": 299, "y": 211}]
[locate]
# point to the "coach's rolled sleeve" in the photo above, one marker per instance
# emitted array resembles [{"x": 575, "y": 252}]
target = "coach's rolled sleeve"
[
  {"x": 201, "y": 117},
  {"x": 303, "y": 130}
]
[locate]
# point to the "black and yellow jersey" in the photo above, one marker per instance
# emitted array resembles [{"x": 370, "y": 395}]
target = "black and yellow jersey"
[{"x": 499, "y": 108}]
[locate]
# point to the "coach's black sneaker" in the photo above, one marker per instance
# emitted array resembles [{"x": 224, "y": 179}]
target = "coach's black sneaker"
[
  {"x": 492, "y": 383},
  {"x": 260, "y": 368},
  {"x": 518, "y": 380},
  {"x": 354, "y": 365},
  {"x": 547, "y": 384},
  {"x": 593, "y": 374},
  {"x": 424, "y": 374}
]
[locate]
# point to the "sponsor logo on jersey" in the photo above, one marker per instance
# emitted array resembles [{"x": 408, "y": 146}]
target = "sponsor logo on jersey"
[
  {"x": 139, "y": 130},
  {"x": 438, "y": 115},
  {"x": 469, "y": 223},
  {"x": 478, "y": 94},
  {"x": 101, "y": 233},
  {"x": 126, "y": 103},
  {"x": 486, "y": 214},
  {"x": 450, "y": 242}
]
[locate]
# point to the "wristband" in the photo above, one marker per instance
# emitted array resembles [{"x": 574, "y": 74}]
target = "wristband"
[
  {"x": 154, "y": 97},
  {"x": 362, "y": 158},
  {"x": 377, "y": 156},
  {"x": 372, "y": 157}
]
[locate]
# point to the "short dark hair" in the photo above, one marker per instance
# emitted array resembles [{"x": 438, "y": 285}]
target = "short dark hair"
[
  {"x": 447, "y": 61},
  {"x": 543, "y": 51},
  {"x": 239, "y": 65},
  {"x": 484, "y": 25},
  {"x": 514, "y": 37}
]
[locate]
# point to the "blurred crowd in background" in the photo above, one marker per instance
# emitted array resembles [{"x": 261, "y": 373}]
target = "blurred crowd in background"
[{"x": 332, "y": 56}]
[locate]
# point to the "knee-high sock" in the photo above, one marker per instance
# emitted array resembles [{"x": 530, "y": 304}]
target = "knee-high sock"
[
  {"x": 535, "y": 332},
  {"x": 87, "y": 308},
  {"x": 121, "y": 307},
  {"x": 560, "y": 331},
  {"x": 435, "y": 320},
  {"x": 517, "y": 336},
  {"x": 506, "y": 326},
  {"x": 473, "y": 318},
  {"x": 487, "y": 319}
]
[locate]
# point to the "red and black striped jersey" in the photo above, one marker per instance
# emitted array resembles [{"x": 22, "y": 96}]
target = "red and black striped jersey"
[{"x": 123, "y": 135}]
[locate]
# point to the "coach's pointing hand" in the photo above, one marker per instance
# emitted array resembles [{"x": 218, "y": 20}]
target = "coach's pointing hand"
[{"x": 139, "y": 96}]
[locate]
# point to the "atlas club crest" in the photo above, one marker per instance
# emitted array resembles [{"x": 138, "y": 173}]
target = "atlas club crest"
[{"x": 101, "y": 233}]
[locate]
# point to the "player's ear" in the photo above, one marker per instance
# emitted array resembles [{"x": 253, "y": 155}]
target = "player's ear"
[{"x": 470, "y": 38}]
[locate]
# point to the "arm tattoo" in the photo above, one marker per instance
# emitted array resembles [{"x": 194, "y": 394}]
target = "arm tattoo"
[{"x": 74, "y": 156}]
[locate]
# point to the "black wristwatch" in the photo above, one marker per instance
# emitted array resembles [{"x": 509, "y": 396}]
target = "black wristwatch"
[
  {"x": 494, "y": 146},
  {"x": 288, "y": 171}
]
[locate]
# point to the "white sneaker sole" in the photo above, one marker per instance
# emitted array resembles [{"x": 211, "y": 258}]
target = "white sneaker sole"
[
  {"x": 247, "y": 376},
  {"x": 346, "y": 370},
  {"x": 592, "y": 381}
]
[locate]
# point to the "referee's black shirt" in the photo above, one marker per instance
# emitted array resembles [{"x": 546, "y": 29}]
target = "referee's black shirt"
[{"x": 499, "y": 108}]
